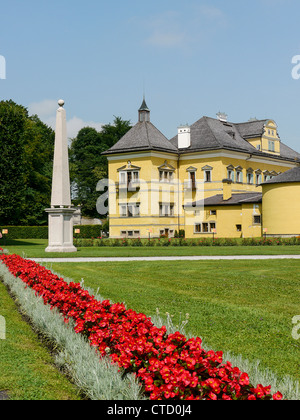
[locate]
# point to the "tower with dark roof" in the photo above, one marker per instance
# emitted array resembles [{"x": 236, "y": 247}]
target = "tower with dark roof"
[
  {"x": 144, "y": 112},
  {"x": 143, "y": 136}
]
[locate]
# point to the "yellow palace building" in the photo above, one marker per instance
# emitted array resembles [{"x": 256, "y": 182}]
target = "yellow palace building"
[{"x": 207, "y": 180}]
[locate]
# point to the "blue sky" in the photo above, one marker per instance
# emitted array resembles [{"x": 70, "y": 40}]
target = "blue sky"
[{"x": 192, "y": 58}]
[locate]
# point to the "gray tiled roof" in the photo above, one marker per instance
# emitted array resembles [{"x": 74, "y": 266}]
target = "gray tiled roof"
[
  {"x": 236, "y": 199},
  {"x": 251, "y": 129},
  {"x": 212, "y": 134},
  {"x": 293, "y": 175},
  {"x": 143, "y": 136},
  {"x": 206, "y": 134}
]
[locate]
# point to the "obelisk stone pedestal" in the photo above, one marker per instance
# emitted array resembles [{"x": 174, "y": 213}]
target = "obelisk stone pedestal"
[
  {"x": 60, "y": 215},
  {"x": 60, "y": 230}
]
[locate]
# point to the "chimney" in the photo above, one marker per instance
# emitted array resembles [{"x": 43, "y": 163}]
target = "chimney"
[
  {"x": 227, "y": 189},
  {"x": 184, "y": 137}
]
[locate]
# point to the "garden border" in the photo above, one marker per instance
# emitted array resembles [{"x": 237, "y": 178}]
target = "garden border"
[{"x": 95, "y": 377}]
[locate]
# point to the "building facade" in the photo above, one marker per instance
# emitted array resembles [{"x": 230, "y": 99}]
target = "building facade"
[
  {"x": 205, "y": 181},
  {"x": 281, "y": 204}
]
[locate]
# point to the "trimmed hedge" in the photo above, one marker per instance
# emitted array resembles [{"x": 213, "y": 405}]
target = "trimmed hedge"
[
  {"x": 41, "y": 232},
  {"x": 166, "y": 242},
  {"x": 88, "y": 231},
  {"x": 25, "y": 232}
]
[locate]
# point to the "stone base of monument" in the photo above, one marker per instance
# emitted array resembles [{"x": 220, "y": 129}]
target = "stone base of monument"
[{"x": 60, "y": 222}]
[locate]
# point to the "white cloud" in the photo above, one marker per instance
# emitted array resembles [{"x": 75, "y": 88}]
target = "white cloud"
[
  {"x": 211, "y": 12},
  {"x": 46, "y": 111},
  {"x": 182, "y": 29},
  {"x": 75, "y": 124},
  {"x": 44, "y": 108},
  {"x": 166, "y": 30},
  {"x": 166, "y": 39}
]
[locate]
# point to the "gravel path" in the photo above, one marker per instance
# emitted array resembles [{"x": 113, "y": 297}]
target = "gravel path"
[{"x": 193, "y": 258}]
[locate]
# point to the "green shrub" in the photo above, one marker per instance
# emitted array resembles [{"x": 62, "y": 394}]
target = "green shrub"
[
  {"x": 165, "y": 242},
  {"x": 136, "y": 242},
  {"x": 25, "y": 232},
  {"x": 88, "y": 231},
  {"x": 41, "y": 232}
]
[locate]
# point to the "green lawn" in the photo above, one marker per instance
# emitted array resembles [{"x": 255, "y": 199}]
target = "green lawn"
[
  {"x": 26, "y": 366},
  {"x": 35, "y": 248},
  {"x": 245, "y": 307}
]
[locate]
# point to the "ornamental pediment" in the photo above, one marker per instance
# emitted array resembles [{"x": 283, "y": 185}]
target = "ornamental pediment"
[
  {"x": 166, "y": 166},
  {"x": 129, "y": 167},
  {"x": 191, "y": 169}
]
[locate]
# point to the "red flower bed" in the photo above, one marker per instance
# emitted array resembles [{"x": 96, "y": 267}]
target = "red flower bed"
[{"x": 168, "y": 366}]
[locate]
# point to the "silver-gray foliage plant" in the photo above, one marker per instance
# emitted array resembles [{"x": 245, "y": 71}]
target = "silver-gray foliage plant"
[{"x": 96, "y": 376}]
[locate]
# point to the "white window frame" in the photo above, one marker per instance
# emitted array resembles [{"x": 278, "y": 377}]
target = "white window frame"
[
  {"x": 202, "y": 226},
  {"x": 199, "y": 226},
  {"x": 239, "y": 177},
  {"x": 166, "y": 176},
  {"x": 166, "y": 209},
  {"x": 271, "y": 146},
  {"x": 250, "y": 180},
  {"x": 130, "y": 208},
  {"x": 123, "y": 177},
  {"x": 130, "y": 233},
  {"x": 192, "y": 182},
  {"x": 258, "y": 178},
  {"x": 123, "y": 210},
  {"x": 208, "y": 175},
  {"x": 230, "y": 172}
]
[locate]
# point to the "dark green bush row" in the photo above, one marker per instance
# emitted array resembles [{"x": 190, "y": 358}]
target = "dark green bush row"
[
  {"x": 25, "y": 232},
  {"x": 90, "y": 235},
  {"x": 85, "y": 242},
  {"x": 41, "y": 232},
  {"x": 88, "y": 231}
]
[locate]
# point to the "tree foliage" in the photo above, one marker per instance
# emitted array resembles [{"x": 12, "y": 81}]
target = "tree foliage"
[
  {"x": 39, "y": 149},
  {"x": 88, "y": 165},
  {"x": 25, "y": 166},
  {"x": 12, "y": 123}
]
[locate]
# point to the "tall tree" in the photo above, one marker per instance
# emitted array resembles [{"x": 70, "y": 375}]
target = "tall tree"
[
  {"x": 25, "y": 166},
  {"x": 12, "y": 187},
  {"x": 88, "y": 166},
  {"x": 38, "y": 156}
]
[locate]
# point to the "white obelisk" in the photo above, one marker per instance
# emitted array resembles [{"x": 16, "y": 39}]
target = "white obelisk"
[{"x": 60, "y": 215}]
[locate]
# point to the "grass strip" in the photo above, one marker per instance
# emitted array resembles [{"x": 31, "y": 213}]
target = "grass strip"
[
  {"x": 35, "y": 248},
  {"x": 26, "y": 366},
  {"x": 94, "y": 376}
]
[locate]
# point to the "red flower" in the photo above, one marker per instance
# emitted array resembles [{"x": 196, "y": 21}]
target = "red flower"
[
  {"x": 244, "y": 379},
  {"x": 212, "y": 396},
  {"x": 278, "y": 396}
]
